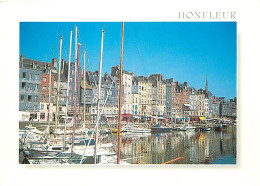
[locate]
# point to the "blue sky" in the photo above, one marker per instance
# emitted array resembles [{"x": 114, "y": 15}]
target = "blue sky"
[{"x": 186, "y": 51}]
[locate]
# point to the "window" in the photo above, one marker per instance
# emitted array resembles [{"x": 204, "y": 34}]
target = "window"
[
  {"x": 44, "y": 79},
  {"x": 37, "y": 76},
  {"x": 35, "y": 108},
  {"x": 30, "y": 86},
  {"x": 42, "y": 116},
  {"x": 33, "y": 65},
  {"x": 43, "y": 97},
  {"x": 30, "y": 76},
  {"x": 60, "y": 109},
  {"x": 22, "y": 97},
  {"x": 29, "y": 98},
  {"x": 70, "y": 80},
  {"x": 36, "y": 87},
  {"x": 24, "y": 74},
  {"x": 44, "y": 88},
  {"x": 35, "y": 98},
  {"x": 109, "y": 93},
  {"x": 23, "y": 85},
  {"x": 42, "y": 106}
]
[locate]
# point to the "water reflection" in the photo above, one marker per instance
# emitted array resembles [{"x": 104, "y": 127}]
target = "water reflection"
[{"x": 195, "y": 147}]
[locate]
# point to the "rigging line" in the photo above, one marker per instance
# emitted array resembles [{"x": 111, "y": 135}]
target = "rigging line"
[
  {"x": 98, "y": 120},
  {"x": 139, "y": 53},
  {"x": 89, "y": 64},
  {"x": 91, "y": 70},
  {"x": 110, "y": 89}
]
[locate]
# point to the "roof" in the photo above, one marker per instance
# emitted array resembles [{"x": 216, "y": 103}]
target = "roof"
[
  {"x": 40, "y": 65},
  {"x": 192, "y": 90},
  {"x": 93, "y": 78},
  {"x": 62, "y": 77},
  {"x": 126, "y": 72},
  {"x": 141, "y": 78},
  {"x": 169, "y": 81}
]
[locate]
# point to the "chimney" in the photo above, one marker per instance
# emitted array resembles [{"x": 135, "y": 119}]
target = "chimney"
[
  {"x": 186, "y": 84},
  {"x": 54, "y": 62},
  {"x": 22, "y": 58},
  {"x": 115, "y": 71}
]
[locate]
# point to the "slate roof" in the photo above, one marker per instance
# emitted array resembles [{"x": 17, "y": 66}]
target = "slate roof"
[
  {"x": 62, "y": 77},
  {"x": 141, "y": 78},
  {"x": 93, "y": 78},
  {"x": 192, "y": 89},
  {"x": 40, "y": 65}
]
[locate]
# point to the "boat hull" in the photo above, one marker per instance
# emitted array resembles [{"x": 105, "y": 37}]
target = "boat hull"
[{"x": 160, "y": 129}]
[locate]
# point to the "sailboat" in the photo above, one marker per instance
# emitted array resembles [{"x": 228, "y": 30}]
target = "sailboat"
[
  {"x": 186, "y": 126},
  {"x": 94, "y": 154}
]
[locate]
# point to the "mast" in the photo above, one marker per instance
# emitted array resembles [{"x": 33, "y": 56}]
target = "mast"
[
  {"x": 67, "y": 96},
  {"x": 99, "y": 90},
  {"x": 120, "y": 95},
  {"x": 206, "y": 88},
  {"x": 84, "y": 93},
  {"x": 75, "y": 69},
  {"x": 49, "y": 101},
  {"x": 76, "y": 93},
  {"x": 58, "y": 87}
]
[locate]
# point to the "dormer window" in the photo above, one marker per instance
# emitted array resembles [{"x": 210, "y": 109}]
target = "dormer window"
[{"x": 33, "y": 65}]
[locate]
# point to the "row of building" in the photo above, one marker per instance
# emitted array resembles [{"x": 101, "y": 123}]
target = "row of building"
[{"x": 144, "y": 99}]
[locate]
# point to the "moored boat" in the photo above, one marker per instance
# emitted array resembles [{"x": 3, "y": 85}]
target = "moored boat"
[
  {"x": 187, "y": 128},
  {"x": 218, "y": 126},
  {"x": 158, "y": 128}
]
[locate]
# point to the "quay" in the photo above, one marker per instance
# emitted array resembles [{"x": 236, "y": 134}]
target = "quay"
[
  {"x": 42, "y": 125},
  {"x": 110, "y": 126}
]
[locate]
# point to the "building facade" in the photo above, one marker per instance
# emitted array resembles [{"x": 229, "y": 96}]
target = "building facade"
[
  {"x": 158, "y": 97},
  {"x": 29, "y": 89},
  {"x": 127, "y": 106}
]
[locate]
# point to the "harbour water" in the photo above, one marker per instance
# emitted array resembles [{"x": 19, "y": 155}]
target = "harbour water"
[
  {"x": 174, "y": 147},
  {"x": 192, "y": 147}
]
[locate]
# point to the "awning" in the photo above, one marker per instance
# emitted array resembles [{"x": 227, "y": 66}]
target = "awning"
[
  {"x": 202, "y": 118},
  {"x": 183, "y": 118},
  {"x": 187, "y": 105}
]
